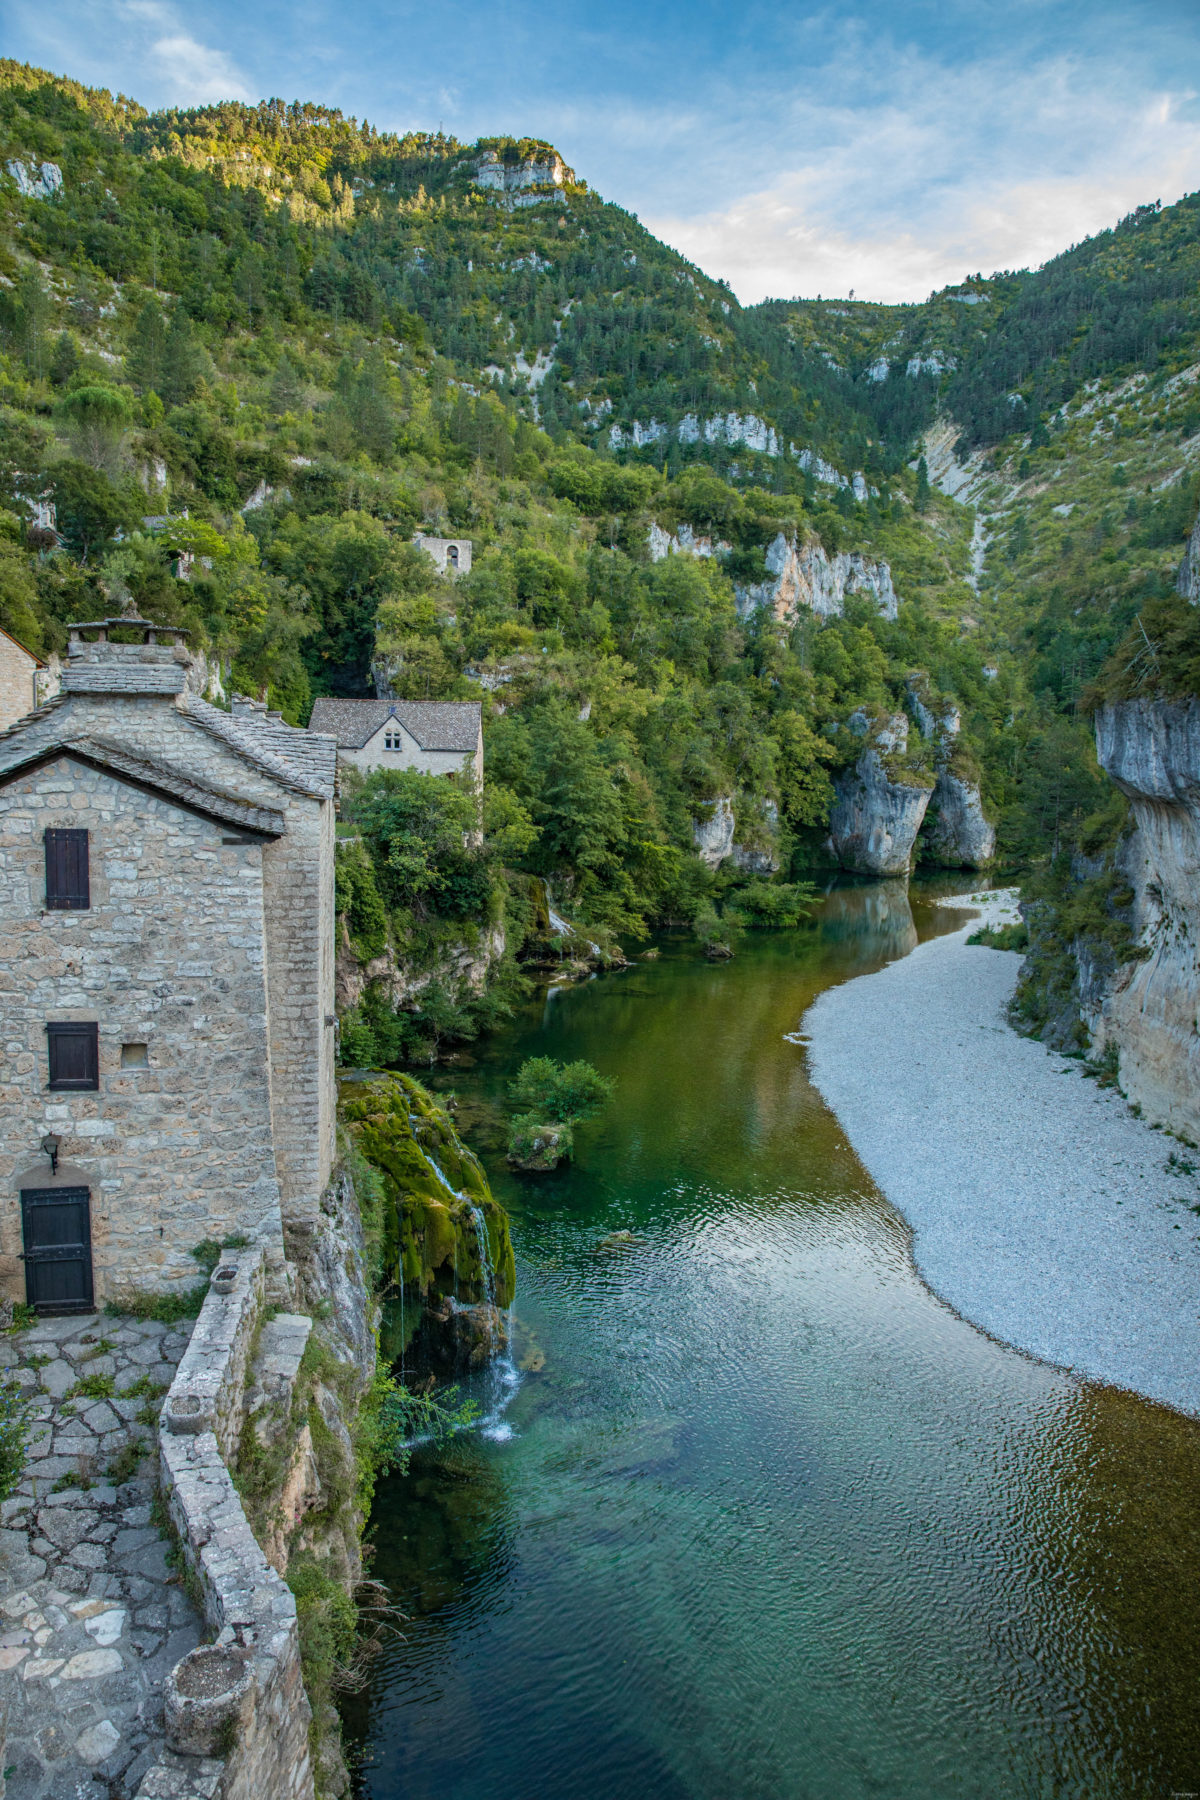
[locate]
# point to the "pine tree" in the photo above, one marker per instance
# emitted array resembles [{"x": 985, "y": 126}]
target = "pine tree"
[
  {"x": 921, "y": 500},
  {"x": 147, "y": 349}
]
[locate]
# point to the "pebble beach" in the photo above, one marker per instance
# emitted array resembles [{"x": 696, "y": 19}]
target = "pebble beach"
[{"x": 1042, "y": 1209}]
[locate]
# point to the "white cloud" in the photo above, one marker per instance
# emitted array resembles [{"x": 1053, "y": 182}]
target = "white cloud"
[
  {"x": 191, "y": 74},
  {"x": 983, "y": 167},
  {"x": 141, "y": 46}
]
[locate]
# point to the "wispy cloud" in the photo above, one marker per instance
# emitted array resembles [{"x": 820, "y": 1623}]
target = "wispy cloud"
[
  {"x": 141, "y": 46},
  {"x": 991, "y": 165}
]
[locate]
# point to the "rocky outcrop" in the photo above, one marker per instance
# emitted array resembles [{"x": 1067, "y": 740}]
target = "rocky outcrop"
[
  {"x": 524, "y": 182},
  {"x": 802, "y": 576},
  {"x": 683, "y": 541},
  {"x": 878, "y": 803},
  {"x": 713, "y": 835},
  {"x": 956, "y": 832},
  {"x": 464, "y": 966},
  {"x": 1188, "y": 580},
  {"x": 758, "y": 853},
  {"x": 36, "y": 181},
  {"x": 1151, "y": 1009}
]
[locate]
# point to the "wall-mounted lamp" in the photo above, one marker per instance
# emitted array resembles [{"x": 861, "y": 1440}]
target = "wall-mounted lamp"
[{"x": 50, "y": 1146}]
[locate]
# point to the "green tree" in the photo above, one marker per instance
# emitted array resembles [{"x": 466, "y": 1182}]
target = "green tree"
[{"x": 922, "y": 496}]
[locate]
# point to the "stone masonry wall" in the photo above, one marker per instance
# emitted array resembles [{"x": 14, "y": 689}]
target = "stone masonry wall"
[
  {"x": 299, "y": 886},
  {"x": 170, "y": 955},
  {"x": 17, "y": 670},
  {"x": 298, "y": 892},
  {"x": 248, "y": 1607}
]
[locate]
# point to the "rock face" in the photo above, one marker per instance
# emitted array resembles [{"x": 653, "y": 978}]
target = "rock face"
[
  {"x": 683, "y": 541},
  {"x": 876, "y": 814},
  {"x": 713, "y": 837},
  {"x": 463, "y": 967},
  {"x": 36, "y": 181},
  {"x": 956, "y": 832},
  {"x": 1151, "y": 749},
  {"x": 803, "y": 576},
  {"x": 1188, "y": 580}
]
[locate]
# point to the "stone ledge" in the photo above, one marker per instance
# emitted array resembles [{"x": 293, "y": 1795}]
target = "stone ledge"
[
  {"x": 206, "y": 1394},
  {"x": 245, "y": 1603}
]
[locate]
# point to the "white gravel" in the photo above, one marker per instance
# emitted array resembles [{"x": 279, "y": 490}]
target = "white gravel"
[{"x": 1042, "y": 1210}]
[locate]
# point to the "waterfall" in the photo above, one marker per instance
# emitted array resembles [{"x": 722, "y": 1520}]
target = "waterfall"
[
  {"x": 503, "y": 1372},
  {"x": 503, "y": 1376}
]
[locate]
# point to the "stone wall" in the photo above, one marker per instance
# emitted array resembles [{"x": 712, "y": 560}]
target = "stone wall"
[
  {"x": 18, "y": 671},
  {"x": 248, "y": 1607},
  {"x": 170, "y": 956},
  {"x": 165, "y": 939}
]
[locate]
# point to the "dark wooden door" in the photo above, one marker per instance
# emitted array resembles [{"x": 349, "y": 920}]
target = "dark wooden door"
[{"x": 57, "y": 1227}]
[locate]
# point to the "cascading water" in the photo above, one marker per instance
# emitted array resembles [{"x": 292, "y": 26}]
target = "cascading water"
[{"x": 505, "y": 1378}]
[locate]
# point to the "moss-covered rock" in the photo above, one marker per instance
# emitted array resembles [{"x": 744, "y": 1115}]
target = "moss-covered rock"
[{"x": 433, "y": 1186}]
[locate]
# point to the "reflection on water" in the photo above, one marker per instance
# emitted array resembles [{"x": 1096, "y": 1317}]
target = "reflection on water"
[{"x": 775, "y": 1524}]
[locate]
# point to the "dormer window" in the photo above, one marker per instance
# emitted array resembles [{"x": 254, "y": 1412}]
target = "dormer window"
[{"x": 392, "y": 740}]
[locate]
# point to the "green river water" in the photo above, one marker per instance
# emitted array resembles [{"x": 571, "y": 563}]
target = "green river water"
[{"x": 771, "y": 1522}]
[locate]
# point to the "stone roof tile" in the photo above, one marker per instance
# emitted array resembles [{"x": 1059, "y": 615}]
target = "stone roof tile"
[
  {"x": 303, "y": 760},
  {"x": 436, "y": 724}
]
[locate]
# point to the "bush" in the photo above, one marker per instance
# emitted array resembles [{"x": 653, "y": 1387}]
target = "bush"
[
  {"x": 563, "y": 1093},
  {"x": 1001, "y": 937},
  {"x": 15, "y": 1407}
]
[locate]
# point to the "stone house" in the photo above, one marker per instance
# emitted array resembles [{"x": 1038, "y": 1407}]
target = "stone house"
[
  {"x": 19, "y": 671},
  {"x": 451, "y": 555},
  {"x": 438, "y": 737},
  {"x": 166, "y": 952}
]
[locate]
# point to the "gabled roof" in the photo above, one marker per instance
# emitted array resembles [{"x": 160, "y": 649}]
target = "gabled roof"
[
  {"x": 154, "y": 777},
  {"x": 301, "y": 760},
  {"x": 435, "y": 724},
  {"x": 31, "y": 654}
]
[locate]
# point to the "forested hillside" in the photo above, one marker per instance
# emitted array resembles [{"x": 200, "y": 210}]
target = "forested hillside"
[{"x": 248, "y": 352}]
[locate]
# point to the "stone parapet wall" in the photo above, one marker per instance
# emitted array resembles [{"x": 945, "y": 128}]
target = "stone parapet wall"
[
  {"x": 247, "y": 1606},
  {"x": 208, "y": 1392}
]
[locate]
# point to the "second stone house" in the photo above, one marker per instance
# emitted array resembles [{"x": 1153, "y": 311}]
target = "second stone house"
[
  {"x": 437, "y": 737},
  {"x": 166, "y": 952}
]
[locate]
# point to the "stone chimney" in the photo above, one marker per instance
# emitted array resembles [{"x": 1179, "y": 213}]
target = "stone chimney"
[{"x": 99, "y": 663}]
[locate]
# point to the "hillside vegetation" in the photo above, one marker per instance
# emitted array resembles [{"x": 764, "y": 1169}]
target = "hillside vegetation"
[{"x": 248, "y": 352}]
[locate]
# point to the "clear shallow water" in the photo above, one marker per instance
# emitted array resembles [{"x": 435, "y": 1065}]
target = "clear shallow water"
[{"x": 773, "y": 1524}]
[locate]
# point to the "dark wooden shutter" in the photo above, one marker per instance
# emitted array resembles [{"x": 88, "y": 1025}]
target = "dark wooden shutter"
[
  {"x": 67, "y": 885},
  {"x": 74, "y": 1055}
]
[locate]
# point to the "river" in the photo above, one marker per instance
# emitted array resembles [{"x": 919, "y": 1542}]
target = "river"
[{"x": 772, "y": 1522}]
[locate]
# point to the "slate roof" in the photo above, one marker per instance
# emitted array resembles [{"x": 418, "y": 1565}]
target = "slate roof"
[
  {"x": 303, "y": 760},
  {"x": 436, "y": 724},
  {"x": 150, "y": 772}
]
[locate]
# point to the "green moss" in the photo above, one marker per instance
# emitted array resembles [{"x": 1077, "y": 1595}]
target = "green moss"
[{"x": 431, "y": 1181}]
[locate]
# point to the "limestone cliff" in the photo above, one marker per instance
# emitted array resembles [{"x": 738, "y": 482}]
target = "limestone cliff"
[
  {"x": 803, "y": 576},
  {"x": 879, "y": 801},
  {"x": 956, "y": 832},
  {"x": 1150, "y": 1010}
]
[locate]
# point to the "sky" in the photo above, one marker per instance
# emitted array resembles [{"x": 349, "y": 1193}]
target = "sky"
[{"x": 880, "y": 147}]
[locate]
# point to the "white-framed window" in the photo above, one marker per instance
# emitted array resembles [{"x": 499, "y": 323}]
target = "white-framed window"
[{"x": 392, "y": 740}]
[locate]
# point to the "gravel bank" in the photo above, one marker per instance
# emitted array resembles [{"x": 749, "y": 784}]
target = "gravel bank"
[{"x": 1041, "y": 1208}]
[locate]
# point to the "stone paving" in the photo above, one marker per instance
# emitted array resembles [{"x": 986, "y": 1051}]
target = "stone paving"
[{"x": 92, "y": 1616}]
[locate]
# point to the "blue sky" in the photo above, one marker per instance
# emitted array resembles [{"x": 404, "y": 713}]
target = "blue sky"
[{"x": 884, "y": 146}]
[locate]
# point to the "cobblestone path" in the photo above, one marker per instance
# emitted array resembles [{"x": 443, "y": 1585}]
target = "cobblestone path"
[{"x": 92, "y": 1616}]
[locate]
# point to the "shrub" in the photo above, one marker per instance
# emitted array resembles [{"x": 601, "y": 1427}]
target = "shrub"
[{"x": 15, "y": 1407}]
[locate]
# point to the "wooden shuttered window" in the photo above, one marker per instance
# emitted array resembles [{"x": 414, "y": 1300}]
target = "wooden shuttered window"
[
  {"x": 74, "y": 1054},
  {"x": 67, "y": 885}
]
